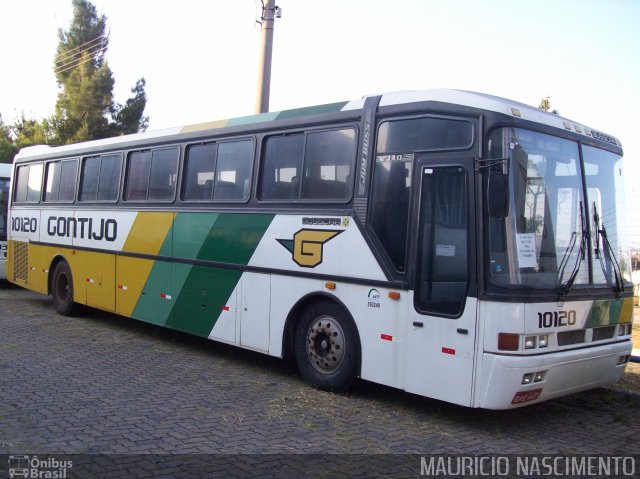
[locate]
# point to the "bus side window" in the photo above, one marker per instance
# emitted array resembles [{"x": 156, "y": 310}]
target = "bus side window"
[
  {"x": 163, "y": 174},
  {"x": 137, "y": 176},
  {"x": 233, "y": 170},
  {"x": 199, "y": 171},
  {"x": 68, "y": 179},
  {"x": 328, "y": 163},
  {"x": 390, "y": 207},
  {"x": 29, "y": 183},
  {"x": 282, "y": 164}
]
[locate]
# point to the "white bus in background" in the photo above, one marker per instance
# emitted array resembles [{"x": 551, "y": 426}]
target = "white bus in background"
[{"x": 5, "y": 178}]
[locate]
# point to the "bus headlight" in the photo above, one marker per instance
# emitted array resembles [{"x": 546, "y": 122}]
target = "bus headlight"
[{"x": 529, "y": 342}]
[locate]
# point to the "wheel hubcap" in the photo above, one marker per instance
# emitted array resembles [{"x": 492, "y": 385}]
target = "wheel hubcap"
[
  {"x": 325, "y": 344},
  {"x": 62, "y": 288}
]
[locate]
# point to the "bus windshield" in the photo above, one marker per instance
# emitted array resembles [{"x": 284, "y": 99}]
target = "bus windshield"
[{"x": 543, "y": 241}]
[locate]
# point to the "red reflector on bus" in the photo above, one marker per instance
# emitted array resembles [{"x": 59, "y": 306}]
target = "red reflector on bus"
[
  {"x": 508, "y": 342},
  {"x": 386, "y": 337},
  {"x": 448, "y": 350},
  {"x": 225, "y": 308},
  {"x": 525, "y": 396}
]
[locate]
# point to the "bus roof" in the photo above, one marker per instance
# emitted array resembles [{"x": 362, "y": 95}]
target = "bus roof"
[{"x": 454, "y": 97}]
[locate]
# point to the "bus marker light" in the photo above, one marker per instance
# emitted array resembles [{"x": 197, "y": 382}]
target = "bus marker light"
[
  {"x": 525, "y": 396},
  {"x": 226, "y": 308},
  {"x": 508, "y": 342},
  {"x": 330, "y": 285},
  {"x": 122, "y": 287},
  {"x": 624, "y": 329},
  {"x": 529, "y": 342},
  {"x": 448, "y": 351},
  {"x": 516, "y": 112},
  {"x": 394, "y": 295},
  {"x": 165, "y": 296},
  {"x": 386, "y": 337},
  {"x": 90, "y": 280}
]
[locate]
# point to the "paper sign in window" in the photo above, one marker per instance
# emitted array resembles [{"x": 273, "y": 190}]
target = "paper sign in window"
[
  {"x": 526, "y": 244},
  {"x": 445, "y": 250}
]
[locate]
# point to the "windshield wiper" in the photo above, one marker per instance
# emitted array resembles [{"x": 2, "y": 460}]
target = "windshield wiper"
[
  {"x": 565, "y": 287},
  {"x": 607, "y": 250}
]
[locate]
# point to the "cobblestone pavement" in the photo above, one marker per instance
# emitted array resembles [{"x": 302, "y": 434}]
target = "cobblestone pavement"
[{"x": 103, "y": 384}]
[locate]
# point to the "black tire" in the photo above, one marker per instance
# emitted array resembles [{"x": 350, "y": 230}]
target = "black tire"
[
  {"x": 62, "y": 289},
  {"x": 327, "y": 347}
]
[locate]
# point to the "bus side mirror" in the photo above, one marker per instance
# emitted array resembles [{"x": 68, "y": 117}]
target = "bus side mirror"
[{"x": 498, "y": 195}]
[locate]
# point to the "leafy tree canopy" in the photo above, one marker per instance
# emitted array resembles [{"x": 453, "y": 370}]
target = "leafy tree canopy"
[{"x": 85, "y": 108}]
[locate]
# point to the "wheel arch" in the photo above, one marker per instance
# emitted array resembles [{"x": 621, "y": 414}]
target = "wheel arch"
[
  {"x": 58, "y": 258},
  {"x": 294, "y": 316}
]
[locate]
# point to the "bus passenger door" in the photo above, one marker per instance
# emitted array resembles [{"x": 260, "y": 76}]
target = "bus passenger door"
[
  {"x": 441, "y": 327},
  {"x": 254, "y": 311}
]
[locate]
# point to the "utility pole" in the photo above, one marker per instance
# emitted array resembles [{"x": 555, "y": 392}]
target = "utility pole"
[{"x": 269, "y": 13}]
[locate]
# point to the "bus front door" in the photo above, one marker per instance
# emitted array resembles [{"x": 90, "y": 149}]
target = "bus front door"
[{"x": 441, "y": 327}]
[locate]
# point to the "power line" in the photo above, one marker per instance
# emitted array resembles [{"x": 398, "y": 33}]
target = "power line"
[
  {"x": 75, "y": 57},
  {"x": 101, "y": 39}
]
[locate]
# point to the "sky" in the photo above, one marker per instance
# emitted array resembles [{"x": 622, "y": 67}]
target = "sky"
[{"x": 200, "y": 57}]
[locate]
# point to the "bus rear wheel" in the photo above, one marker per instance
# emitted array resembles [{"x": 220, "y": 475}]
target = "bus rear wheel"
[
  {"x": 62, "y": 289},
  {"x": 327, "y": 347}
]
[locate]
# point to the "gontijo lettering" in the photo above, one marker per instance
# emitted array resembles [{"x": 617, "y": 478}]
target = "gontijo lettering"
[{"x": 84, "y": 228}]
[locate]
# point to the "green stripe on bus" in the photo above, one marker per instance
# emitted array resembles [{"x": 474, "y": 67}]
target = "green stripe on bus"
[
  {"x": 312, "y": 110},
  {"x": 202, "y": 291},
  {"x": 604, "y": 312},
  {"x": 152, "y": 307}
]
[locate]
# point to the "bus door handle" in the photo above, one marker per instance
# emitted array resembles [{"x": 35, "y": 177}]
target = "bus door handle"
[
  {"x": 418, "y": 324},
  {"x": 463, "y": 331}
]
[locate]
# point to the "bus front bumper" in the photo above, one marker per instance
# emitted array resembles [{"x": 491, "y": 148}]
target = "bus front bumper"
[{"x": 507, "y": 382}]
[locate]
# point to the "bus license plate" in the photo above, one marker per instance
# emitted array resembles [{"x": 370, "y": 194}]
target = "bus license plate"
[{"x": 524, "y": 396}]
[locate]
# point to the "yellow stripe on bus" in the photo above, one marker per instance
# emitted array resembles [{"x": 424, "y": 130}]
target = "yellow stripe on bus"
[
  {"x": 147, "y": 235},
  {"x": 148, "y": 232}
]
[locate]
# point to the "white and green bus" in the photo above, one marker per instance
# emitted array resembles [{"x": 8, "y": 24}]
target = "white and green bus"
[
  {"x": 5, "y": 178},
  {"x": 451, "y": 244}
]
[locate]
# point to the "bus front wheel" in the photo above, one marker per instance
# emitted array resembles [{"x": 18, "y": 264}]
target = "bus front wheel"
[
  {"x": 327, "y": 347},
  {"x": 62, "y": 289}
]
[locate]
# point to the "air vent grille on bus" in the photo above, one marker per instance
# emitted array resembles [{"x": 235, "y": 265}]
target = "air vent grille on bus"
[
  {"x": 575, "y": 336},
  {"x": 603, "y": 137},
  {"x": 20, "y": 261},
  {"x": 606, "y": 332}
]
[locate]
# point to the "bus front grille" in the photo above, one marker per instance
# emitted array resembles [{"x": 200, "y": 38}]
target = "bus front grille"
[
  {"x": 606, "y": 332},
  {"x": 575, "y": 336},
  {"x": 20, "y": 261}
]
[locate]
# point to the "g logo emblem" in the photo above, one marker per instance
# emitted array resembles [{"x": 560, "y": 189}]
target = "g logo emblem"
[{"x": 307, "y": 246}]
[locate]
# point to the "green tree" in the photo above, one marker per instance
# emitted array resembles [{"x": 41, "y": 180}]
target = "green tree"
[
  {"x": 545, "y": 104},
  {"x": 7, "y": 148},
  {"x": 85, "y": 109},
  {"x": 29, "y": 132}
]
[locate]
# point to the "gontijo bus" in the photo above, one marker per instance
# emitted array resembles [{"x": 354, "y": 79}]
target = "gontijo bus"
[
  {"x": 452, "y": 244},
  {"x": 5, "y": 176}
]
